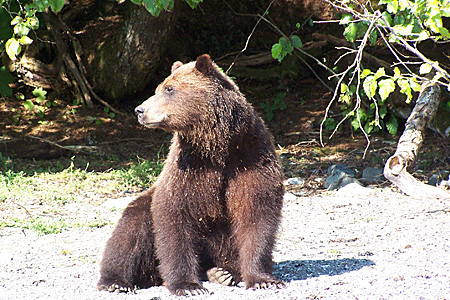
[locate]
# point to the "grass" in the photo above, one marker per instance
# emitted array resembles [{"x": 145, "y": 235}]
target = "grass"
[{"x": 37, "y": 196}]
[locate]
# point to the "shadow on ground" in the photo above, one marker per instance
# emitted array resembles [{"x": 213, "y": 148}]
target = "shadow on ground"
[{"x": 303, "y": 269}]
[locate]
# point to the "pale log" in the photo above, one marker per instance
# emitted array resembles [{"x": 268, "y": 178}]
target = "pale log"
[{"x": 396, "y": 168}]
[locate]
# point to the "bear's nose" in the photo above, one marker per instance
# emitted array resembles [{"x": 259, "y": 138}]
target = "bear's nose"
[{"x": 139, "y": 110}]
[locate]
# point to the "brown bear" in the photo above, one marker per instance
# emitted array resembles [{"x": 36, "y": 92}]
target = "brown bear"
[{"x": 214, "y": 211}]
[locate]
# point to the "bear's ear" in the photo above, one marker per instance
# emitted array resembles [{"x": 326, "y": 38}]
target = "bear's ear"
[
  {"x": 176, "y": 65},
  {"x": 204, "y": 64}
]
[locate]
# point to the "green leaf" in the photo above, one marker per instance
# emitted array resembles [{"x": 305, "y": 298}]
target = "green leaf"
[
  {"x": 5, "y": 79},
  {"x": 350, "y": 32},
  {"x": 21, "y": 29},
  {"x": 165, "y": 4},
  {"x": 365, "y": 72},
  {"x": 425, "y": 68},
  {"x": 344, "y": 88},
  {"x": 276, "y": 50},
  {"x": 362, "y": 115},
  {"x": 392, "y": 125},
  {"x": 382, "y": 111},
  {"x": 56, "y": 5},
  {"x": 269, "y": 115},
  {"x": 355, "y": 124},
  {"x": 414, "y": 85},
  {"x": 391, "y": 5},
  {"x": 386, "y": 87},
  {"x": 33, "y": 22},
  {"x": 13, "y": 48},
  {"x": 370, "y": 86},
  {"x": 287, "y": 46},
  {"x": 397, "y": 73},
  {"x": 28, "y": 104},
  {"x": 296, "y": 41},
  {"x": 346, "y": 19},
  {"x": 25, "y": 40},
  {"x": 405, "y": 89},
  {"x": 380, "y": 73},
  {"x": 16, "y": 20},
  {"x": 386, "y": 17},
  {"x": 40, "y": 93},
  {"x": 152, "y": 7},
  {"x": 193, "y": 3}
]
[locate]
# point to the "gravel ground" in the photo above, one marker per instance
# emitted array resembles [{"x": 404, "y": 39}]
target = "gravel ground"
[{"x": 352, "y": 244}]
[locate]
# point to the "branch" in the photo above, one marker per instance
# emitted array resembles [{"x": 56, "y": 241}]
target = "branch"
[
  {"x": 77, "y": 149},
  {"x": 396, "y": 168}
]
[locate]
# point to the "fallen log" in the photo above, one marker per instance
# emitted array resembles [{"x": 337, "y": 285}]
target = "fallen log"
[{"x": 397, "y": 166}]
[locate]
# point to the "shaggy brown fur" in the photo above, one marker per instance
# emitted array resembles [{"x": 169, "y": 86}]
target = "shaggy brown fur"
[{"x": 216, "y": 205}]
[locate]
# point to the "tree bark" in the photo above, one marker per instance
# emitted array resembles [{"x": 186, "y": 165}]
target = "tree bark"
[
  {"x": 122, "y": 51},
  {"x": 397, "y": 166}
]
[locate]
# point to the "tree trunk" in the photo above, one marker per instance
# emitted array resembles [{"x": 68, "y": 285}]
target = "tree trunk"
[
  {"x": 396, "y": 168},
  {"x": 101, "y": 48},
  {"x": 121, "y": 52}
]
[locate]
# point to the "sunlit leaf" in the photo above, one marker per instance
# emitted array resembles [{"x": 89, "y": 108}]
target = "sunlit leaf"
[
  {"x": 276, "y": 50},
  {"x": 25, "y": 40},
  {"x": 425, "y": 68},
  {"x": 16, "y": 20},
  {"x": 346, "y": 19},
  {"x": 386, "y": 87},
  {"x": 13, "y": 48},
  {"x": 28, "y": 104},
  {"x": 370, "y": 86},
  {"x": 405, "y": 89}
]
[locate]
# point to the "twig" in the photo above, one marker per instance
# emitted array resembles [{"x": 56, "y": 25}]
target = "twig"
[
  {"x": 249, "y": 37},
  {"x": 69, "y": 148}
]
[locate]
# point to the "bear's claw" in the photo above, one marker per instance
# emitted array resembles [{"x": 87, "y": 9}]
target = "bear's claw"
[{"x": 220, "y": 276}]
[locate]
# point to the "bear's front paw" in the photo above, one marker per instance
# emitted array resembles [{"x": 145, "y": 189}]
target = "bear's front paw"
[
  {"x": 114, "y": 286},
  {"x": 220, "y": 276},
  {"x": 188, "y": 289},
  {"x": 264, "y": 283}
]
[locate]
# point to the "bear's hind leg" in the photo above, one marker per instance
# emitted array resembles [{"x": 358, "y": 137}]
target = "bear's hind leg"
[{"x": 129, "y": 260}]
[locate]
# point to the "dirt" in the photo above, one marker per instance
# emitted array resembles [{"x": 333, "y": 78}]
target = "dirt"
[
  {"x": 73, "y": 130},
  {"x": 356, "y": 243}
]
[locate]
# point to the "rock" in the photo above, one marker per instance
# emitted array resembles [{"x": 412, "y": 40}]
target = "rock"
[
  {"x": 339, "y": 179},
  {"x": 373, "y": 174},
  {"x": 341, "y": 167},
  {"x": 297, "y": 181},
  {"x": 436, "y": 179}
]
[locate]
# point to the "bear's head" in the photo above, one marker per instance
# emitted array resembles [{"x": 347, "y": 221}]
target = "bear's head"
[{"x": 190, "y": 97}]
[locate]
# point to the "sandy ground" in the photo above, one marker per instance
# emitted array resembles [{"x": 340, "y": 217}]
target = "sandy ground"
[{"x": 350, "y": 244}]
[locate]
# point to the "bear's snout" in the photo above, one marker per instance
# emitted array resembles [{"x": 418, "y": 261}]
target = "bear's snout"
[{"x": 139, "y": 110}]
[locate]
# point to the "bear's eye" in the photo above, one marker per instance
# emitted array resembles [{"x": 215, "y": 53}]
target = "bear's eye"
[{"x": 169, "y": 90}]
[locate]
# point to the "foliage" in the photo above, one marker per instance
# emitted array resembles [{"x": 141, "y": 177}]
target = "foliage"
[
  {"x": 19, "y": 20},
  {"x": 277, "y": 104},
  {"x": 285, "y": 46},
  {"x": 392, "y": 23},
  {"x": 155, "y": 7}
]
